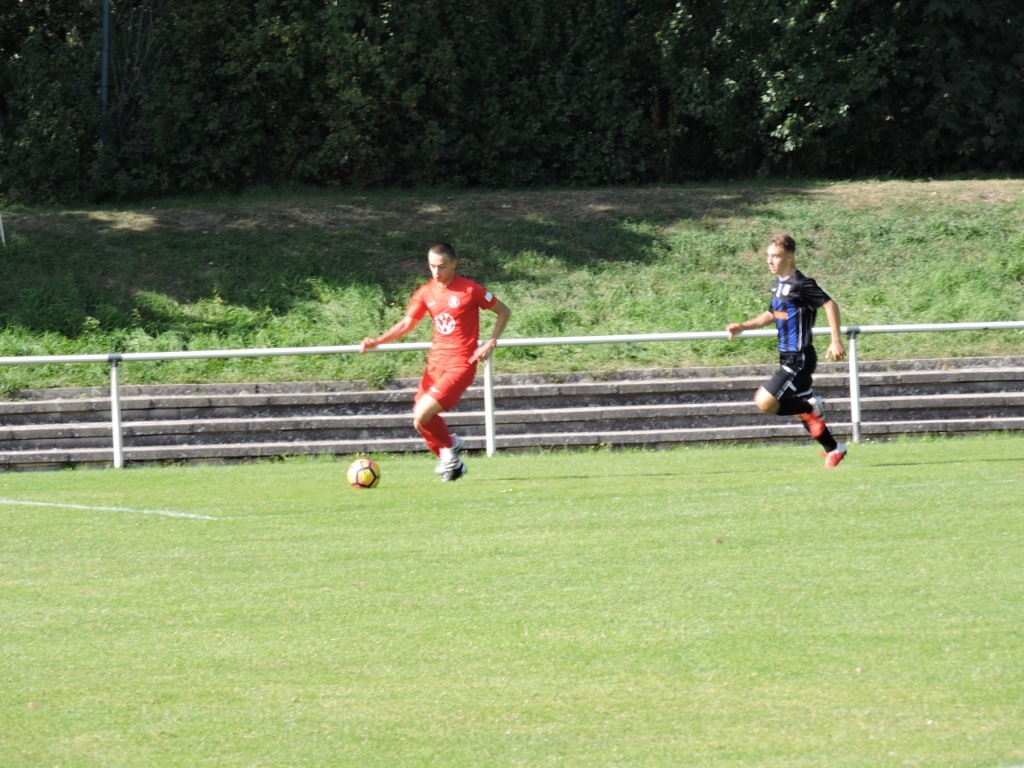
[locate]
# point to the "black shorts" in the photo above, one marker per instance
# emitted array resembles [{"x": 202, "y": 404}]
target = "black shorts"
[{"x": 794, "y": 374}]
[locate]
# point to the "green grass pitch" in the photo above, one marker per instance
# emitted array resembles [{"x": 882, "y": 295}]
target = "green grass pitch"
[{"x": 727, "y": 606}]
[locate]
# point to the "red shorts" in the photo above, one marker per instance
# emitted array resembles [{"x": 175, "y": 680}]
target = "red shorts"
[{"x": 446, "y": 385}]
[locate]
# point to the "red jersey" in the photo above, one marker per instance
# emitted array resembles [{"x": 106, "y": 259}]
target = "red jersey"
[{"x": 455, "y": 310}]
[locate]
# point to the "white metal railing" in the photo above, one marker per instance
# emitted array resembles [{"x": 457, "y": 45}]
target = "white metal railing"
[{"x": 852, "y": 332}]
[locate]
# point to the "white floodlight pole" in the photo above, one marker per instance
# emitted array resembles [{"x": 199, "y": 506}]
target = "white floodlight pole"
[
  {"x": 115, "y": 413},
  {"x": 3, "y": 238}
]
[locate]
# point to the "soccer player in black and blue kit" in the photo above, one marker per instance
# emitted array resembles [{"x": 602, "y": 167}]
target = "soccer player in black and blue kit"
[{"x": 796, "y": 299}]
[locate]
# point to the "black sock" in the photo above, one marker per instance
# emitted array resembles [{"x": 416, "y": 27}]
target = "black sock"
[{"x": 826, "y": 441}]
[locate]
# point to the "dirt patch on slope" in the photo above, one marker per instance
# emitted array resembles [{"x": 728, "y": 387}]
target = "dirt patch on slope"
[{"x": 599, "y": 206}]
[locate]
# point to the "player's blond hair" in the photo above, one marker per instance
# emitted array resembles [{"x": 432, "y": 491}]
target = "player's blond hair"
[{"x": 785, "y": 242}]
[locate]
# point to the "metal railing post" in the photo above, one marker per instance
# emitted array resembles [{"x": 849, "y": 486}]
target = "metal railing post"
[
  {"x": 115, "y": 412},
  {"x": 489, "y": 404},
  {"x": 854, "y": 385}
]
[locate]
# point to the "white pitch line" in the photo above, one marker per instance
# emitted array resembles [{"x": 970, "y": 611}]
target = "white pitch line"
[{"x": 161, "y": 512}]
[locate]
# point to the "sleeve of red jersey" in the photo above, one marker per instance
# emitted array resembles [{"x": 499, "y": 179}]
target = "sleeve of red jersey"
[
  {"x": 483, "y": 298},
  {"x": 417, "y": 306}
]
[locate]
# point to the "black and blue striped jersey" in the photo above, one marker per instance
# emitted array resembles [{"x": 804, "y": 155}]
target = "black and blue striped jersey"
[{"x": 794, "y": 306}]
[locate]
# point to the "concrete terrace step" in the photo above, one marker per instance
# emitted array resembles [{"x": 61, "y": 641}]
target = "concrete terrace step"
[
  {"x": 574, "y": 419},
  {"x": 781, "y": 430},
  {"x": 649, "y": 407},
  {"x": 229, "y": 452},
  {"x": 512, "y": 396},
  {"x": 363, "y": 428},
  {"x": 214, "y": 406},
  {"x": 647, "y": 438}
]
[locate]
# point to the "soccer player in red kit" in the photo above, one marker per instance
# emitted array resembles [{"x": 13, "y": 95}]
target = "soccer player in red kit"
[{"x": 454, "y": 304}]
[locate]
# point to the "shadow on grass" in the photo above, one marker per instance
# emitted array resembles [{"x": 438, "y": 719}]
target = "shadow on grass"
[
  {"x": 965, "y": 460},
  {"x": 136, "y": 267}
]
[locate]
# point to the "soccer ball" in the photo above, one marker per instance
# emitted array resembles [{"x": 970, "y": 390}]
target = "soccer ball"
[{"x": 363, "y": 473}]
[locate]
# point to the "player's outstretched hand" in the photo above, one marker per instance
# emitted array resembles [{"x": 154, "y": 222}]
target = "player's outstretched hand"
[
  {"x": 836, "y": 351},
  {"x": 733, "y": 329},
  {"x": 368, "y": 343}
]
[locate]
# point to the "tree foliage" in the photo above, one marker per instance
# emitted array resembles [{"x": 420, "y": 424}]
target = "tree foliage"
[{"x": 224, "y": 95}]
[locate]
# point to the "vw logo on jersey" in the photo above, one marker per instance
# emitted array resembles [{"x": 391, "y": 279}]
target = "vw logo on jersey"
[
  {"x": 444, "y": 323},
  {"x": 453, "y": 301}
]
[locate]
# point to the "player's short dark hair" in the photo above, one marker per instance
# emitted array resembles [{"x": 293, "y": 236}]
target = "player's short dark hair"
[
  {"x": 443, "y": 249},
  {"x": 785, "y": 242}
]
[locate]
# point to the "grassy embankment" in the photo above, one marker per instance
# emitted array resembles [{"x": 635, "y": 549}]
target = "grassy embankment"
[{"x": 328, "y": 268}]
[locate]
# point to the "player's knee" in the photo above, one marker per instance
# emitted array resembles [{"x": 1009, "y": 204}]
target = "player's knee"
[
  {"x": 420, "y": 419},
  {"x": 766, "y": 402}
]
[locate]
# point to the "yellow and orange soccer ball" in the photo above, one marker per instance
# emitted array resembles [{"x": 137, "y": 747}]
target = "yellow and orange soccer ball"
[{"x": 364, "y": 473}]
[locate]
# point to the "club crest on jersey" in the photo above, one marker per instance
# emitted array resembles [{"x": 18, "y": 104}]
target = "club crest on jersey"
[
  {"x": 453, "y": 301},
  {"x": 444, "y": 323}
]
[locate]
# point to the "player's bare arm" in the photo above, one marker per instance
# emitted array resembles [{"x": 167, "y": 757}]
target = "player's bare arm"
[
  {"x": 396, "y": 331},
  {"x": 483, "y": 351},
  {"x": 734, "y": 329},
  {"x": 836, "y": 350}
]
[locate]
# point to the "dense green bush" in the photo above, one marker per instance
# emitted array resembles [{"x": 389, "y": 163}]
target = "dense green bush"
[{"x": 225, "y": 95}]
